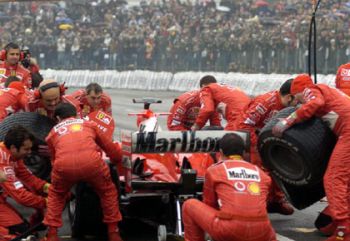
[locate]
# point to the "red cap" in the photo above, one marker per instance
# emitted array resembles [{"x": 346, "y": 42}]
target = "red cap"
[
  {"x": 17, "y": 85},
  {"x": 299, "y": 83}
]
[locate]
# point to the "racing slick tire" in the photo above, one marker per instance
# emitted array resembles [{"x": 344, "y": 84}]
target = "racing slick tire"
[
  {"x": 301, "y": 155},
  {"x": 85, "y": 213},
  {"x": 301, "y": 196},
  {"x": 40, "y": 127}
]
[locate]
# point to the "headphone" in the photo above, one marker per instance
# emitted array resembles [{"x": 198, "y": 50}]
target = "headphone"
[
  {"x": 37, "y": 92},
  {"x": 3, "y": 52}
]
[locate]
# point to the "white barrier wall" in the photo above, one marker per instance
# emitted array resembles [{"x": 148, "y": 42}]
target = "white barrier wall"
[{"x": 252, "y": 84}]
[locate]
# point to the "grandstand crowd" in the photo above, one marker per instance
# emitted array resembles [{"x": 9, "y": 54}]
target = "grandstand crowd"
[{"x": 267, "y": 36}]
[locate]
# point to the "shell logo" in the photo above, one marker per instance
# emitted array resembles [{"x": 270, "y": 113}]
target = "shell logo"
[
  {"x": 254, "y": 188},
  {"x": 75, "y": 128}
]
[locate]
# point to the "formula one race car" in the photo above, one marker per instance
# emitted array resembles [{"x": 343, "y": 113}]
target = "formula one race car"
[{"x": 160, "y": 170}]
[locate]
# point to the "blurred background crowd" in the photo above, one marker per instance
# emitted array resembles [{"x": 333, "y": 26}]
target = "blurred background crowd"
[{"x": 251, "y": 36}]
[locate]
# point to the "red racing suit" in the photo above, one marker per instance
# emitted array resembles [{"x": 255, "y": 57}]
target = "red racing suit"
[
  {"x": 259, "y": 112},
  {"x": 35, "y": 105},
  {"x": 255, "y": 116},
  {"x": 15, "y": 70},
  {"x": 12, "y": 101},
  {"x": 20, "y": 186},
  {"x": 333, "y": 107},
  {"x": 342, "y": 80},
  {"x": 185, "y": 110},
  {"x": 84, "y": 139},
  {"x": 233, "y": 207},
  {"x": 86, "y": 108},
  {"x": 229, "y": 101}
]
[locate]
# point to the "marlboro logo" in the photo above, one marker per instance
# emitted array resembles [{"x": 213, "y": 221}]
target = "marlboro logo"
[
  {"x": 241, "y": 173},
  {"x": 178, "y": 141}
]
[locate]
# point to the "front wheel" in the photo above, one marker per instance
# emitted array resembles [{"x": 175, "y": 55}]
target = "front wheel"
[
  {"x": 74, "y": 219},
  {"x": 85, "y": 214}
]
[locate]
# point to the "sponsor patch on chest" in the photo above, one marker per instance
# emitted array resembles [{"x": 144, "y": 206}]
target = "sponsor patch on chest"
[{"x": 244, "y": 174}]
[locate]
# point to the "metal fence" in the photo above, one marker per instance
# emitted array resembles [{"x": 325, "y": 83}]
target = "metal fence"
[{"x": 250, "y": 59}]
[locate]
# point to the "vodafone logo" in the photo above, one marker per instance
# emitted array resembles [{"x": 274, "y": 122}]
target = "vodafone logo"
[
  {"x": 345, "y": 72},
  {"x": 239, "y": 186}
]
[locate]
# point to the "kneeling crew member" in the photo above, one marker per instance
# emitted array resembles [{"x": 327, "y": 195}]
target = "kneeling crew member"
[{"x": 234, "y": 200}]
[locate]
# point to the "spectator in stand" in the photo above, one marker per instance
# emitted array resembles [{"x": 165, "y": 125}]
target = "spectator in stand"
[
  {"x": 257, "y": 38},
  {"x": 185, "y": 110},
  {"x": 93, "y": 98},
  {"x": 11, "y": 66}
]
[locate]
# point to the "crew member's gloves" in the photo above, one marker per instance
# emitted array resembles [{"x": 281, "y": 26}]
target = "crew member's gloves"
[
  {"x": 284, "y": 124},
  {"x": 3, "y": 177},
  {"x": 46, "y": 188}
]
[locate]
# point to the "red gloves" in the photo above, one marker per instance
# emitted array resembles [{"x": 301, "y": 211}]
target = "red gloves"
[{"x": 283, "y": 124}]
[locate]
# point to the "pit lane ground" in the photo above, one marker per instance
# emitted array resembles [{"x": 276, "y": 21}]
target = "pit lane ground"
[{"x": 298, "y": 227}]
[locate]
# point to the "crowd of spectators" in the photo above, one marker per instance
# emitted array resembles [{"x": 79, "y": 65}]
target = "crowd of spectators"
[{"x": 179, "y": 35}]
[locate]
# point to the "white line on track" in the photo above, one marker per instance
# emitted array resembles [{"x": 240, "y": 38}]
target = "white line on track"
[{"x": 282, "y": 238}]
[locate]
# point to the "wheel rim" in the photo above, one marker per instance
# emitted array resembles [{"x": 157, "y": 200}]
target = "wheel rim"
[
  {"x": 162, "y": 234},
  {"x": 286, "y": 162},
  {"x": 72, "y": 211}
]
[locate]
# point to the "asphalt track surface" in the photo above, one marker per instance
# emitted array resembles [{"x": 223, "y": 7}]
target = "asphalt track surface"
[{"x": 298, "y": 227}]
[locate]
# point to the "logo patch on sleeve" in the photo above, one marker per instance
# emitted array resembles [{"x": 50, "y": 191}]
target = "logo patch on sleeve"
[{"x": 18, "y": 184}]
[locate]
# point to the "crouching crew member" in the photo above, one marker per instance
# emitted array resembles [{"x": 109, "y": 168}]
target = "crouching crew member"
[
  {"x": 20, "y": 184},
  {"x": 234, "y": 200}
]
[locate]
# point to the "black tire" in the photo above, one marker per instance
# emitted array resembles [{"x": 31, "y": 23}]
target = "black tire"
[
  {"x": 301, "y": 196},
  {"x": 301, "y": 155},
  {"x": 40, "y": 126},
  {"x": 38, "y": 165},
  {"x": 85, "y": 213}
]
